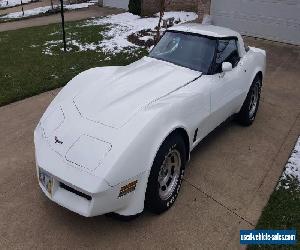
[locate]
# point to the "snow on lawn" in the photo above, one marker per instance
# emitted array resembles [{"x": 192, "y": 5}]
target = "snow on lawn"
[
  {"x": 120, "y": 26},
  {"x": 42, "y": 10},
  {"x": 27, "y": 13},
  {"x": 79, "y": 5},
  {"x": 125, "y": 24},
  {"x": 11, "y": 3},
  {"x": 292, "y": 168}
]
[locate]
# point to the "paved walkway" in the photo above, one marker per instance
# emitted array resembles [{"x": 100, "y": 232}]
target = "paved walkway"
[
  {"x": 92, "y": 11},
  {"x": 227, "y": 183}
]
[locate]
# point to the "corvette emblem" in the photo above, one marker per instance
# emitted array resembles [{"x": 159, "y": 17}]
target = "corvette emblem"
[{"x": 57, "y": 140}]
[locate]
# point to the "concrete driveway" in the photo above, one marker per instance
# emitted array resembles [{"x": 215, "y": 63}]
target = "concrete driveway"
[{"x": 227, "y": 183}]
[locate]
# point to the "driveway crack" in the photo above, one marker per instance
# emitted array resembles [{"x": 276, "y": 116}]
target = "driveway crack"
[{"x": 220, "y": 203}]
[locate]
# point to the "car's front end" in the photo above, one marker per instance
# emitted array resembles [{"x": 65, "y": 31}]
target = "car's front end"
[
  {"x": 70, "y": 155},
  {"x": 90, "y": 148}
]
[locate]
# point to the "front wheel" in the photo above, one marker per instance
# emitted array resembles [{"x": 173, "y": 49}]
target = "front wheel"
[
  {"x": 247, "y": 114},
  {"x": 166, "y": 175}
]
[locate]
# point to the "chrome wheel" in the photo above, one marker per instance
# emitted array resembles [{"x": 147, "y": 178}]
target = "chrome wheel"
[
  {"x": 169, "y": 174},
  {"x": 253, "y": 100}
]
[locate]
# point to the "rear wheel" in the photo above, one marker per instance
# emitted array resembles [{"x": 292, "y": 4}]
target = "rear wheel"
[
  {"x": 166, "y": 175},
  {"x": 247, "y": 114}
]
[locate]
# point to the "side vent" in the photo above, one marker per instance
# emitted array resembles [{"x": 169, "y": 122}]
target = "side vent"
[{"x": 195, "y": 135}]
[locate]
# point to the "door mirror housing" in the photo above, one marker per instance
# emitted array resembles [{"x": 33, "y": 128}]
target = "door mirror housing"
[{"x": 226, "y": 67}]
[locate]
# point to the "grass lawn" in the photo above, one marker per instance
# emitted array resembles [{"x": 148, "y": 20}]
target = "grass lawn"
[
  {"x": 281, "y": 212},
  {"x": 26, "y": 71}
]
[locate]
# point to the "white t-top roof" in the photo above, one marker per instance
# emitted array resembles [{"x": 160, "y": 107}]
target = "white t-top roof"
[{"x": 206, "y": 30}]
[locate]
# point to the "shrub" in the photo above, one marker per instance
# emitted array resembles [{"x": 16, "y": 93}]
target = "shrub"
[{"x": 135, "y": 7}]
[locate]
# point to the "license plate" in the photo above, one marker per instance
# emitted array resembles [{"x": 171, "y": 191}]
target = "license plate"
[{"x": 46, "y": 180}]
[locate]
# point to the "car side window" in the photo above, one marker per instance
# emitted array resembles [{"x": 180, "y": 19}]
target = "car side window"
[{"x": 227, "y": 51}]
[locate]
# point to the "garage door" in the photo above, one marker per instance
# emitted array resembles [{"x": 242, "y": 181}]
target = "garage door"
[
  {"x": 122, "y": 4},
  {"x": 277, "y": 20}
]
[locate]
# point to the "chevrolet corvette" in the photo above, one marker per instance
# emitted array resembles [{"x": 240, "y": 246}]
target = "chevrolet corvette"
[{"x": 117, "y": 139}]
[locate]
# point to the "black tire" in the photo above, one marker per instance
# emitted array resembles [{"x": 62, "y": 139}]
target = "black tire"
[
  {"x": 172, "y": 147},
  {"x": 123, "y": 218},
  {"x": 248, "y": 112}
]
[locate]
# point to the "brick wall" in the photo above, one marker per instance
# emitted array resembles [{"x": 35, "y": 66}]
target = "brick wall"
[
  {"x": 149, "y": 7},
  {"x": 178, "y": 5},
  {"x": 202, "y": 7}
]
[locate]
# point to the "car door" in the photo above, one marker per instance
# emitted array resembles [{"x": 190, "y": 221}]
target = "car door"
[{"x": 226, "y": 87}]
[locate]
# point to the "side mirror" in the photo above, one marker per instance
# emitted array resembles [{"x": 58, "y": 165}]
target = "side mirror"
[{"x": 226, "y": 66}]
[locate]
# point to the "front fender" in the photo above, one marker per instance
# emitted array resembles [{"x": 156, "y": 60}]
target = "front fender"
[
  {"x": 137, "y": 159},
  {"x": 260, "y": 61},
  {"x": 140, "y": 142}
]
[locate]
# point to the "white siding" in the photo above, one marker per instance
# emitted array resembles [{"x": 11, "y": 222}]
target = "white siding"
[
  {"x": 122, "y": 4},
  {"x": 277, "y": 20}
]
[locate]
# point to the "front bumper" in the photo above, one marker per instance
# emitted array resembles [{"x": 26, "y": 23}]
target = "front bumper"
[
  {"x": 82, "y": 192},
  {"x": 84, "y": 203}
]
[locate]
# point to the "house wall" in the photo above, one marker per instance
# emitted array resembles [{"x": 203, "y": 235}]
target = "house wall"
[
  {"x": 203, "y": 8},
  {"x": 178, "y": 5},
  {"x": 121, "y": 4},
  {"x": 150, "y": 7}
]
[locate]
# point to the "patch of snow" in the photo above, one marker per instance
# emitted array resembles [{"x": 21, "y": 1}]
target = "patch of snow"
[
  {"x": 42, "y": 10},
  {"x": 11, "y": 3},
  {"x": 292, "y": 168},
  {"x": 80, "y": 46},
  {"x": 52, "y": 42},
  {"x": 125, "y": 24},
  {"x": 48, "y": 51},
  {"x": 120, "y": 27},
  {"x": 78, "y": 5},
  {"x": 83, "y": 47},
  {"x": 27, "y": 13},
  {"x": 54, "y": 33},
  {"x": 146, "y": 38},
  {"x": 68, "y": 49},
  {"x": 54, "y": 76}
]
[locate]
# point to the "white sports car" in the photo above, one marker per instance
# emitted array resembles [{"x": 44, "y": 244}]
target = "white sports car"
[{"x": 117, "y": 139}]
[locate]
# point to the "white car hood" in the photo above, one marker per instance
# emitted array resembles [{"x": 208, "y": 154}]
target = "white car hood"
[{"x": 130, "y": 88}]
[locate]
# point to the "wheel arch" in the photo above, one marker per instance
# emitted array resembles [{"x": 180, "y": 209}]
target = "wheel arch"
[
  {"x": 137, "y": 201},
  {"x": 257, "y": 73},
  {"x": 181, "y": 131},
  {"x": 260, "y": 75}
]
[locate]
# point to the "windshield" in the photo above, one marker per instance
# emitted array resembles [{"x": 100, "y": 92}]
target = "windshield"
[{"x": 188, "y": 50}]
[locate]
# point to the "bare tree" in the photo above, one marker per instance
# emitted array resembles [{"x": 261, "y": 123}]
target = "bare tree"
[
  {"x": 162, "y": 8},
  {"x": 51, "y": 4},
  {"x": 22, "y": 7}
]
